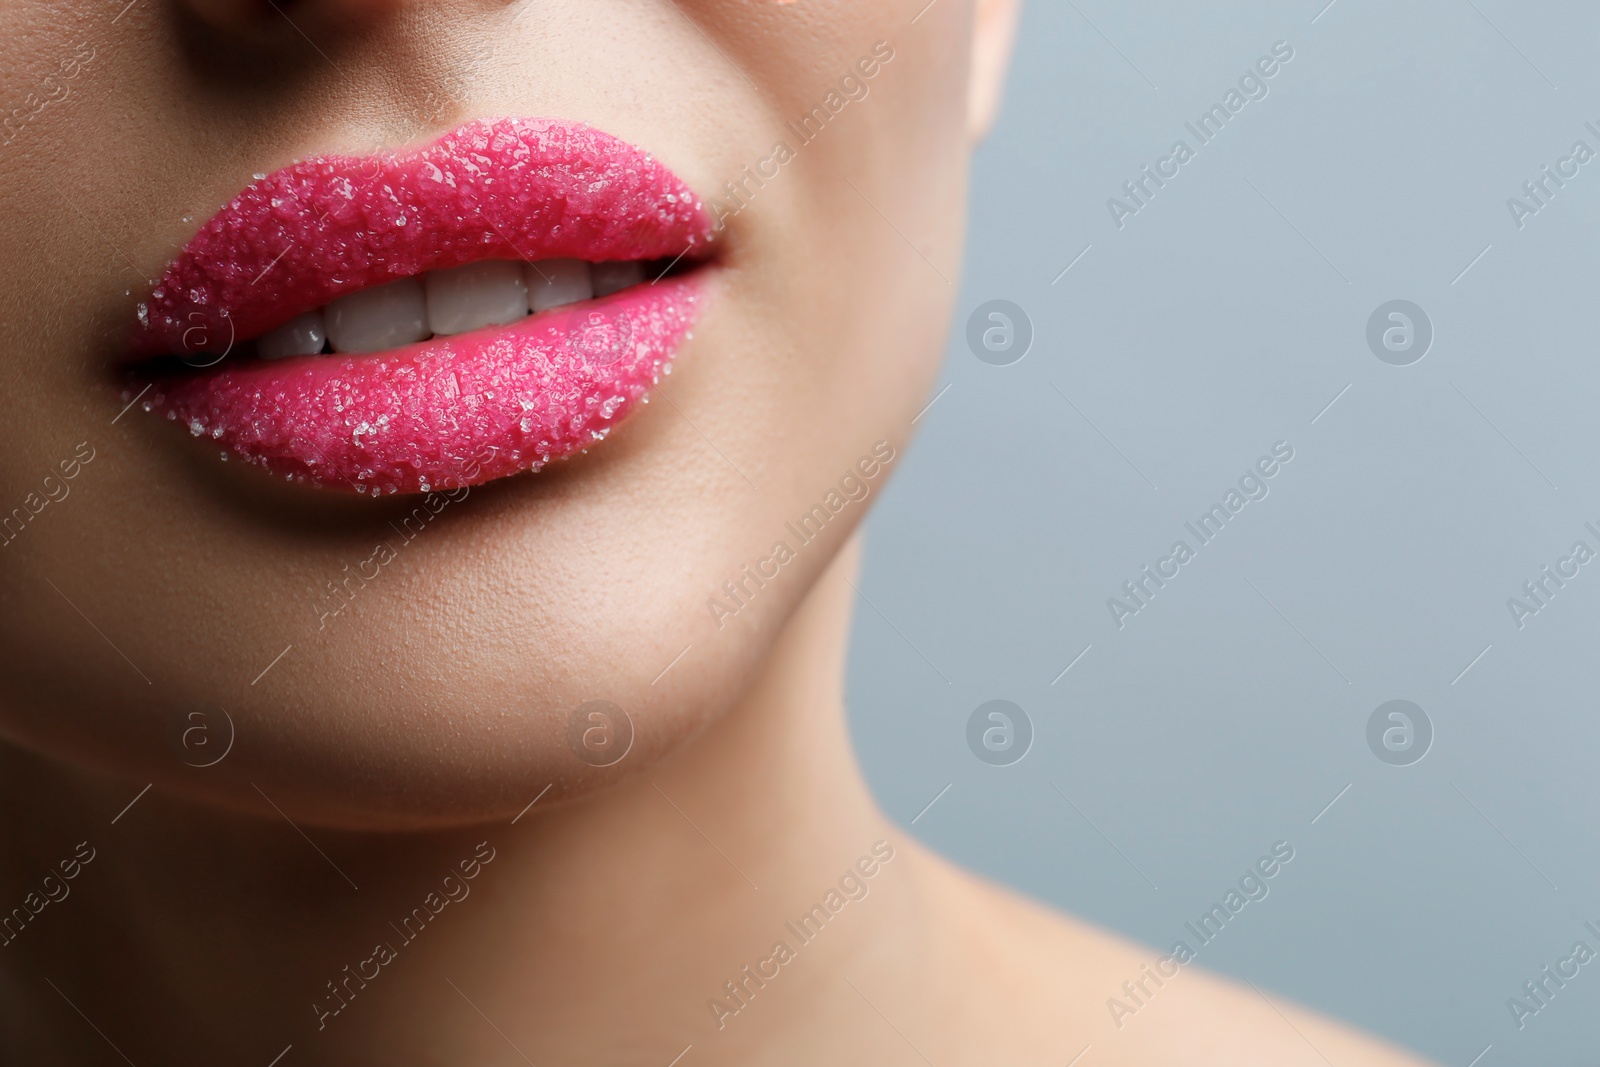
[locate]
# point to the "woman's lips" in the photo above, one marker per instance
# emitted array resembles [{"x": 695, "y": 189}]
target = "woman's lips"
[{"x": 454, "y": 410}]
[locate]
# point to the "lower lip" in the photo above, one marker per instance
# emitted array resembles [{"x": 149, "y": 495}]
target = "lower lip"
[{"x": 449, "y": 412}]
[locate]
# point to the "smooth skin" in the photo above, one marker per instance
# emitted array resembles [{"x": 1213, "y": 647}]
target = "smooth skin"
[{"x": 379, "y": 749}]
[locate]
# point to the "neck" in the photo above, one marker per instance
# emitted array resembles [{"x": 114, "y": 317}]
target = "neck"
[{"x": 663, "y": 913}]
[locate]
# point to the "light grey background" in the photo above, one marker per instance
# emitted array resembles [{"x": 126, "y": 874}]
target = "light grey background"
[{"x": 1222, "y": 318}]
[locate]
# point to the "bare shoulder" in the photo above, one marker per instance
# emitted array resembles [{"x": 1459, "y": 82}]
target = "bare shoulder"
[{"x": 1019, "y": 984}]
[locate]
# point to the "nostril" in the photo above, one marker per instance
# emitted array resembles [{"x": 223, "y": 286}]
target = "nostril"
[
  {"x": 237, "y": 16},
  {"x": 271, "y": 19}
]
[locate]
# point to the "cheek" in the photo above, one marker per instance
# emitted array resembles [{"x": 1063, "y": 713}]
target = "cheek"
[{"x": 874, "y": 228}]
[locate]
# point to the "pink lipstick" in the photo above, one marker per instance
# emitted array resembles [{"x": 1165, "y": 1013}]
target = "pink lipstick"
[{"x": 433, "y": 317}]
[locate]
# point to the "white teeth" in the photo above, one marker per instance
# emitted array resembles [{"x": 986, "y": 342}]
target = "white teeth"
[
  {"x": 488, "y": 293},
  {"x": 379, "y": 318},
  {"x": 611, "y": 277},
  {"x": 440, "y": 303},
  {"x": 300, "y": 336},
  {"x": 554, "y": 283}
]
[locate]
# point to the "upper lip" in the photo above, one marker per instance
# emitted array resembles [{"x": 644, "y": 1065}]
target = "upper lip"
[{"x": 332, "y": 225}]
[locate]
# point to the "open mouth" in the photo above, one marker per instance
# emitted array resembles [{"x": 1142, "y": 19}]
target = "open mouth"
[
  {"x": 441, "y": 303},
  {"x": 430, "y": 318}
]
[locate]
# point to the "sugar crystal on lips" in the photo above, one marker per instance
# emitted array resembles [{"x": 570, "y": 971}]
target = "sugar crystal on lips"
[
  {"x": 478, "y": 241},
  {"x": 393, "y": 417}
]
